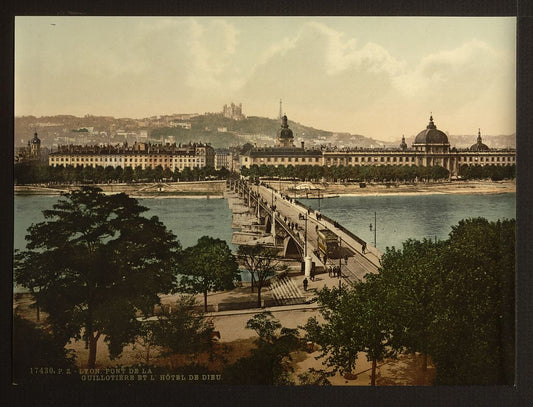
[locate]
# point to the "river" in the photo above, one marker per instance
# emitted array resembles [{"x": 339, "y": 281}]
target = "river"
[{"x": 398, "y": 217}]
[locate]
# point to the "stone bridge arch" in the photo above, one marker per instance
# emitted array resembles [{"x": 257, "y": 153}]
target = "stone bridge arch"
[{"x": 291, "y": 249}]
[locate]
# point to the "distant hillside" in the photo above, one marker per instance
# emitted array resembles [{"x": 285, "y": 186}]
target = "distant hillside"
[
  {"x": 253, "y": 129},
  {"x": 211, "y": 128},
  {"x": 54, "y": 129}
]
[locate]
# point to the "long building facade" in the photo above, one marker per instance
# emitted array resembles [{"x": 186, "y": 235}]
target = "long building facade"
[
  {"x": 144, "y": 155},
  {"x": 430, "y": 147}
]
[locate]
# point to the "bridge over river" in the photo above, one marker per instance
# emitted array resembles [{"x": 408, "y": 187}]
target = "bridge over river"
[{"x": 295, "y": 227}]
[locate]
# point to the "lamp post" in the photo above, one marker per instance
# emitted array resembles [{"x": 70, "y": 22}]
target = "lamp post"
[
  {"x": 308, "y": 265},
  {"x": 340, "y": 263},
  {"x": 258, "y": 198},
  {"x": 305, "y": 237},
  {"x": 374, "y": 227}
]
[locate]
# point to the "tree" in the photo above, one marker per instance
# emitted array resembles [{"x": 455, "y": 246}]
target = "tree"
[
  {"x": 208, "y": 266},
  {"x": 138, "y": 173},
  {"x": 100, "y": 262},
  {"x": 223, "y": 173},
  {"x": 186, "y": 174},
  {"x": 264, "y": 325},
  {"x": 473, "y": 336},
  {"x": 453, "y": 300},
  {"x": 167, "y": 174},
  {"x": 178, "y": 329},
  {"x": 157, "y": 173},
  {"x": 261, "y": 262},
  {"x": 35, "y": 277},
  {"x": 269, "y": 361},
  {"x": 176, "y": 175},
  {"x": 127, "y": 174},
  {"x": 87, "y": 174},
  {"x": 109, "y": 173},
  {"x": 118, "y": 173},
  {"x": 410, "y": 285},
  {"x": 314, "y": 377},
  {"x": 149, "y": 174},
  {"x": 354, "y": 322}
]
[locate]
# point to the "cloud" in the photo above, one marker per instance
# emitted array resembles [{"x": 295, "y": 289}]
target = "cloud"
[
  {"x": 337, "y": 53},
  {"x": 458, "y": 75},
  {"x": 320, "y": 67},
  {"x": 344, "y": 54},
  {"x": 332, "y": 81},
  {"x": 212, "y": 47},
  {"x": 326, "y": 78}
]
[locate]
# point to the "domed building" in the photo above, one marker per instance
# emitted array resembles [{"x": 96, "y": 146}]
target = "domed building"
[
  {"x": 434, "y": 144},
  {"x": 431, "y": 140},
  {"x": 479, "y": 146},
  {"x": 285, "y": 136},
  {"x": 431, "y": 147}
]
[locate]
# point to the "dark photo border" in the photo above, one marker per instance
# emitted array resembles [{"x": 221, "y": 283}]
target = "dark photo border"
[{"x": 162, "y": 394}]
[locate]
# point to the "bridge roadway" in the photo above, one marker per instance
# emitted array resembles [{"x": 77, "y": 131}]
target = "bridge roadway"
[{"x": 358, "y": 263}]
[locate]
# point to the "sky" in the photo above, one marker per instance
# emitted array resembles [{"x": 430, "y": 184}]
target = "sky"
[{"x": 381, "y": 77}]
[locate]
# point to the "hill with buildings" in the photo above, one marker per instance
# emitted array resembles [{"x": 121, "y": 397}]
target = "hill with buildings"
[
  {"x": 213, "y": 128},
  {"x": 221, "y": 131},
  {"x": 217, "y": 129}
]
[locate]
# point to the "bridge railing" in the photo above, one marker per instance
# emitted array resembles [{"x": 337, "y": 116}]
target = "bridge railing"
[
  {"x": 294, "y": 234},
  {"x": 330, "y": 220},
  {"x": 334, "y": 223}
]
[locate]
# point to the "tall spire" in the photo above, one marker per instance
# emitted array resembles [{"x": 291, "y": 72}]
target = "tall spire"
[
  {"x": 280, "y": 110},
  {"x": 479, "y": 136}
]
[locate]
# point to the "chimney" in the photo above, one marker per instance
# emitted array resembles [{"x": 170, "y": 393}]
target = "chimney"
[{"x": 302, "y": 145}]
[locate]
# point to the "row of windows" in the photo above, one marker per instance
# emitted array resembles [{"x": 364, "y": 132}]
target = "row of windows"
[
  {"x": 181, "y": 166},
  {"x": 131, "y": 160},
  {"x": 120, "y": 157},
  {"x": 289, "y": 159},
  {"x": 376, "y": 159},
  {"x": 189, "y": 160},
  {"x": 78, "y": 159},
  {"x": 371, "y": 159},
  {"x": 487, "y": 159}
]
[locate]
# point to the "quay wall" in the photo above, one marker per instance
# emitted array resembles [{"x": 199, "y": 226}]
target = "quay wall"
[{"x": 202, "y": 188}]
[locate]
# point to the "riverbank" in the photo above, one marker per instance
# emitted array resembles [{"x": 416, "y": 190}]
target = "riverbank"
[
  {"x": 355, "y": 189},
  {"x": 215, "y": 189},
  {"x": 199, "y": 189}
]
